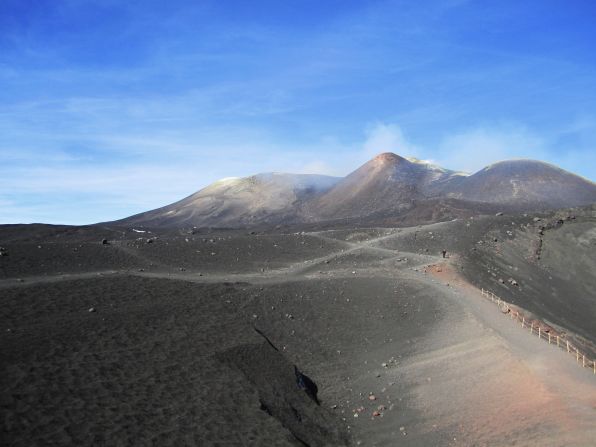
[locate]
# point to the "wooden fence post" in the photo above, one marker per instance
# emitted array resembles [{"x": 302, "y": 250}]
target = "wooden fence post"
[
  {"x": 576, "y": 355},
  {"x": 523, "y": 321},
  {"x": 583, "y": 361},
  {"x": 567, "y": 345},
  {"x": 557, "y": 341},
  {"x": 549, "y": 338},
  {"x": 538, "y": 331}
]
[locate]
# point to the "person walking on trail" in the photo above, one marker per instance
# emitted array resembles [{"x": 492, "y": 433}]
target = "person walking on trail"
[{"x": 444, "y": 252}]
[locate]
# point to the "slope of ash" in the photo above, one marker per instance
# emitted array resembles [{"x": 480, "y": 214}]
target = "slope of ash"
[
  {"x": 271, "y": 197},
  {"x": 545, "y": 263},
  {"x": 526, "y": 184},
  {"x": 317, "y": 336},
  {"x": 386, "y": 184}
]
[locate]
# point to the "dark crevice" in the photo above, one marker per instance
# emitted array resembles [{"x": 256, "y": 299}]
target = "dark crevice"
[
  {"x": 304, "y": 382},
  {"x": 265, "y": 408},
  {"x": 285, "y": 393},
  {"x": 296, "y": 414},
  {"x": 265, "y": 337}
]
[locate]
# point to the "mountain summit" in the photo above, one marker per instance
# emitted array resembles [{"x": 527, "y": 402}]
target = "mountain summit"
[
  {"x": 387, "y": 183},
  {"x": 388, "y": 186}
]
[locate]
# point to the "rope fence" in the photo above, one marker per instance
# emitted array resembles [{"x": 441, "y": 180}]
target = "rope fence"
[{"x": 545, "y": 334}]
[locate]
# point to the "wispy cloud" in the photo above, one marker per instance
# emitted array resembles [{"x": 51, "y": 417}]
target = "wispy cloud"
[
  {"x": 383, "y": 137},
  {"x": 472, "y": 149},
  {"x": 105, "y": 191}
]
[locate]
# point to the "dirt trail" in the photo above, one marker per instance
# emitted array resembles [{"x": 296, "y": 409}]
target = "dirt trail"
[
  {"x": 292, "y": 271},
  {"x": 518, "y": 389}
]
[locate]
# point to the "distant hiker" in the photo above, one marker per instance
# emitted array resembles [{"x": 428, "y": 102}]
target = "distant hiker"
[{"x": 444, "y": 252}]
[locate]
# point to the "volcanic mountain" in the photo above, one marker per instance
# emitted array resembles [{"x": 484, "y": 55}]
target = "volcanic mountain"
[
  {"x": 388, "y": 183},
  {"x": 386, "y": 186},
  {"x": 237, "y": 201},
  {"x": 526, "y": 184}
]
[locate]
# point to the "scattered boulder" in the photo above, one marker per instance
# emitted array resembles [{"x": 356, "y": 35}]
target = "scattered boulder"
[
  {"x": 105, "y": 242},
  {"x": 91, "y": 309}
]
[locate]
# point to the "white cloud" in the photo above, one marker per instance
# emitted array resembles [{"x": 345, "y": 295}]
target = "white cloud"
[
  {"x": 385, "y": 137},
  {"x": 473, "y": 149},
  {"x": 318, "y": 167}
]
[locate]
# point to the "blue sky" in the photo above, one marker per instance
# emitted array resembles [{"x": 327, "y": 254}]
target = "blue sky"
[{"x": 108, "y": 108}]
